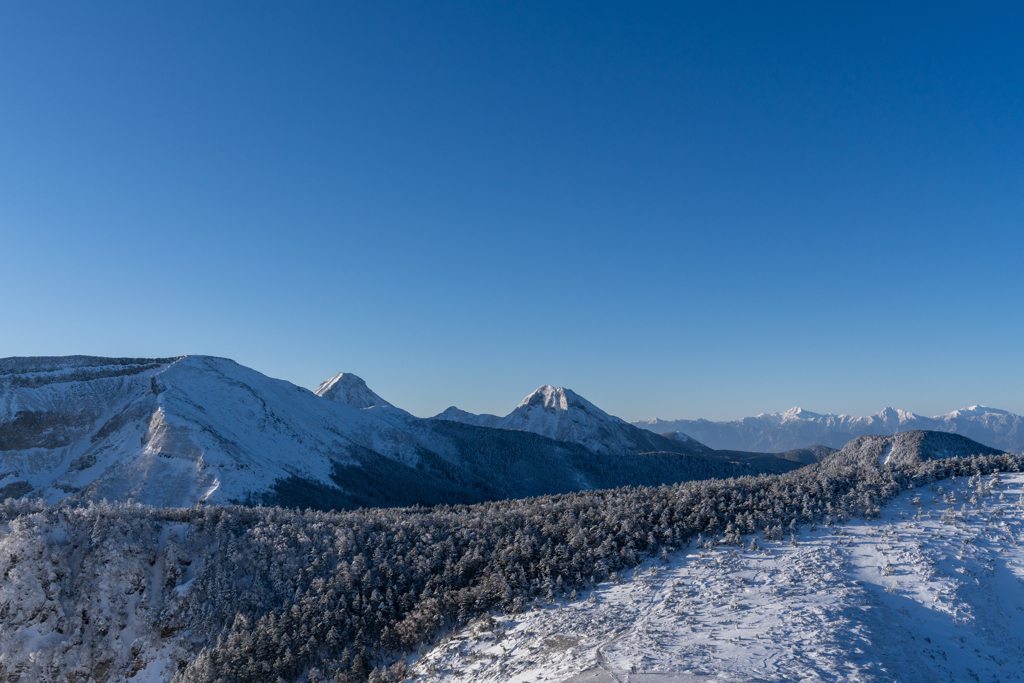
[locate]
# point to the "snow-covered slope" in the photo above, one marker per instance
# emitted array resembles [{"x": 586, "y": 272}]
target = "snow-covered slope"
[
  {"x": 799, "y": 428},
  {"x": 176, "y": 431},
  {"x": 351, "y": 390},
  {"x": 990, "y": 426},
  {"x": 933, "y": 590},
  {"x": 171, "y": 431},
  {"x": 563, "y": 415}
]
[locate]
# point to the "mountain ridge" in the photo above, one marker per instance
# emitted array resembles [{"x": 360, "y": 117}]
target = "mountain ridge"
[
  {"x": 201, "y": 429},
  {"x": 563, "y": 415},
  {"x": 800, "y": 428},
  {"x": 350, "y": 389}
]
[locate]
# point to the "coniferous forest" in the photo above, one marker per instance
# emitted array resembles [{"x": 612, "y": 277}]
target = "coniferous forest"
[{"x": 231, "y": 594}]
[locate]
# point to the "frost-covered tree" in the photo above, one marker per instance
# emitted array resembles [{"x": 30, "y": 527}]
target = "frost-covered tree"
[{"x": 255, "y": 594}]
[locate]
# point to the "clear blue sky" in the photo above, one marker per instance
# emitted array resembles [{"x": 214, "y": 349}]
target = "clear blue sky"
[{"x": 676, "y": 210}]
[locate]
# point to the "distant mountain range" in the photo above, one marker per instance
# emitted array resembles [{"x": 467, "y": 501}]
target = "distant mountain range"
[
  {"x": 177, "y": 431},
  {"x": 799, "y": 428}
]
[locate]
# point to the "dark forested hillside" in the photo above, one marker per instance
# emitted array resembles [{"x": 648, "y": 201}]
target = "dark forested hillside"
[
  {"x": 494, "y": 464},
  {"x": 255, "y": 594}
]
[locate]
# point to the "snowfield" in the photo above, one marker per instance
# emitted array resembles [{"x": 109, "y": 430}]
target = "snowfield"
[{"x": 930, "y": 590}]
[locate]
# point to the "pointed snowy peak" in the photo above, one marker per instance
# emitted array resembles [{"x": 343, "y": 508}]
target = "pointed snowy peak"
[
  {"x": 893, "y": 418},
  {"x": 351, "y": 390},
  {"x": 559, "y": 399},
  {"x": 563, "y": 415}
]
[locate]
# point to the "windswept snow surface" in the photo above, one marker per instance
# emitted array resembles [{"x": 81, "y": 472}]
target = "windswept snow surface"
[
  {"x": 799, "y": 428},
  {"x": 932, "y": 590}
]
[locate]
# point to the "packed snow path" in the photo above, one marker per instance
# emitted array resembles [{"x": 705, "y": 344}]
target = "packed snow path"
[{"x": 932, "y": 590}]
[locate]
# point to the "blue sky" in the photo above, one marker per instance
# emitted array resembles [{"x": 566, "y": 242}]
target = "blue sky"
[{"x": 677, "y": 211}]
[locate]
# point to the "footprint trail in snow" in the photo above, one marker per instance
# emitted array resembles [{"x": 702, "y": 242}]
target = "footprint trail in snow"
[{"x": 932, "y": 590}]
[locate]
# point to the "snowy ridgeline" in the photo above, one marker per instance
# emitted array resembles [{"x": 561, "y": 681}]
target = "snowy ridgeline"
[
  {"x": 563, "y": 415},
  {"x": 798, "y": 428},
  {"x": 176, "y": 431},
  {"x": 931, "y": 590}
]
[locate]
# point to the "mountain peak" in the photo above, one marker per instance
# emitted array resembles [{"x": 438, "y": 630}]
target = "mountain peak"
[
  {"x": 560, "y": 400},
  {"x": 454, "y": 414},
  {"x": 553, "y": 398},
  {"x": 350, "y": 389},
  {"x": 975, "y": 410},
  {"x": 563, "y": 415}
]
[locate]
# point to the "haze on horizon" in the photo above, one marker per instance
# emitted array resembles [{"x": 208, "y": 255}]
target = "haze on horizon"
[{"x": 675, "y": 212}]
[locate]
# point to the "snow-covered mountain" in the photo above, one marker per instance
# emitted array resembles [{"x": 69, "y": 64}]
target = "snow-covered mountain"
[
  {"x": 351, "y": 390},
  {"x": 563, "y": 415},
  {"x": 799, "y": 428},
  {"x": 175, "y": 431},
  {"x": 172, "y": 431},
  {"x": 913, "y": 574}
]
